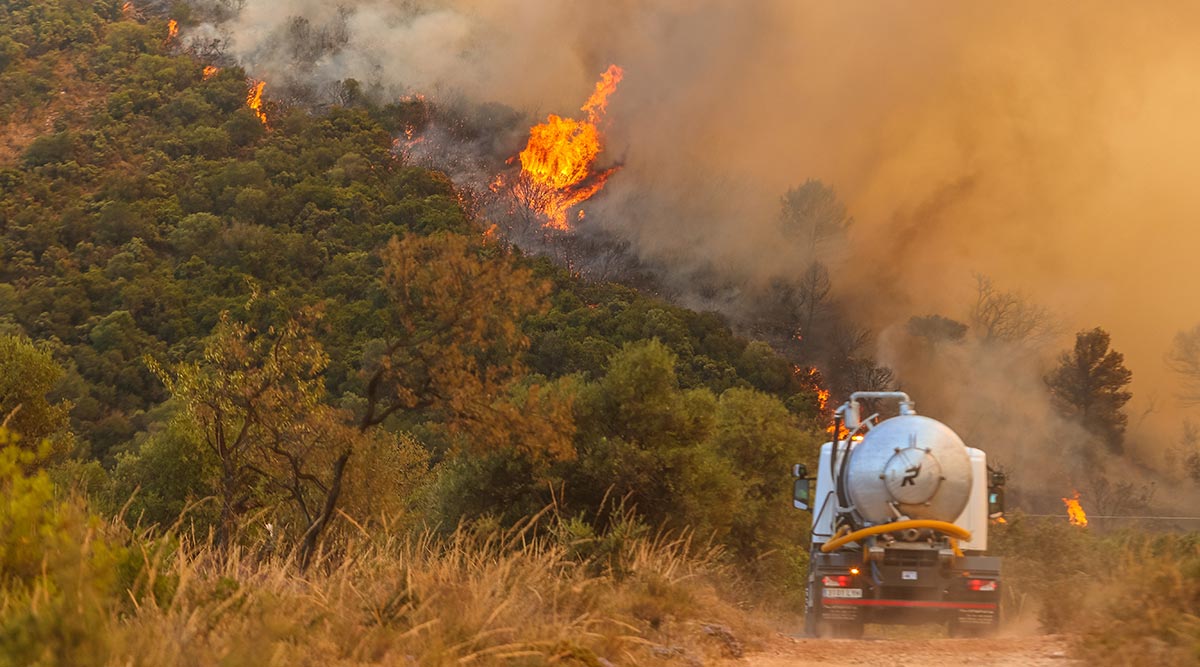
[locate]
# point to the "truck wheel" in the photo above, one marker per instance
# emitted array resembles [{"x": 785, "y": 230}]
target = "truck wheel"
[
  {"x": 971, "y": 630},
  {"x": 824, "y": 629},
  {"x": 848, "y": 630},
  {"x": 839, "y": 630},
  {"x": 810, "y": 607}
]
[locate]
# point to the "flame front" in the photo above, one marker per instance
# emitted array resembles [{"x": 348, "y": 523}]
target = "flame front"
[
  {"x": 172, "y": 29},
  {"x": 556, "y": 165},
  {"x": 210, "y": 71},
  {"x": 1075, "y": 511},
  {"x": 254, "y": 100}
]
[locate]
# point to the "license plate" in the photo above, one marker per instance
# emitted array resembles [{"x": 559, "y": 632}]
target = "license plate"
[
  {"x": 909, "y": 575},
  {"x": 843, "y": 592}
]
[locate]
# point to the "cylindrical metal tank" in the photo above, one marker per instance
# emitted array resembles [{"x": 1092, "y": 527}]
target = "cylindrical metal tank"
[{"x": 916, "y": 463}]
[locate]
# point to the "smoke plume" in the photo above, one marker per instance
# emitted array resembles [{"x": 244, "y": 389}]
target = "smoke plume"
[{"x": 1051, "y": 146}]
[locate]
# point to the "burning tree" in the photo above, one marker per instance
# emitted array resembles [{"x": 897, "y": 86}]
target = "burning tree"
[{"x": 557, "y": 164}]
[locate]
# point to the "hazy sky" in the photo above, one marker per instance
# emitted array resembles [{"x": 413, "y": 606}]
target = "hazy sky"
[{"x": 1050, "y": 145}]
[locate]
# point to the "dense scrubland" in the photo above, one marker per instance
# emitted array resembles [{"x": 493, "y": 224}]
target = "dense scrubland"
[{"x": 273, "y": 396}]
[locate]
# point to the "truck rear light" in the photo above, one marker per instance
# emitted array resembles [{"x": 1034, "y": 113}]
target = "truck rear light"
[
  {"x": 836, "y": 581},
  {"x": 983, "y": 585}
]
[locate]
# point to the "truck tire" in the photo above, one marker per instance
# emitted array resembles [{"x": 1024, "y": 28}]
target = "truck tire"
[
  {"x": 972, "y": 630},
  {"x": 841, "y": 630},
  {"x": 817, "y": 626}
]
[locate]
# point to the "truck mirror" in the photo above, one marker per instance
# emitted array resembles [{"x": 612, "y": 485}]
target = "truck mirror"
[
  {"x": 996, "y": 502},
  {"x": 799, "y": 470},
  {"x": 800, "y": 495}
]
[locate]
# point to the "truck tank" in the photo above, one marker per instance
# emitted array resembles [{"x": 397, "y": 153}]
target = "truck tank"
[{"x": 909, "y": 465}]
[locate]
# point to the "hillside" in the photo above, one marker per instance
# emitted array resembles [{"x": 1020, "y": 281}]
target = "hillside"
[{"x": 161, "y": 220}]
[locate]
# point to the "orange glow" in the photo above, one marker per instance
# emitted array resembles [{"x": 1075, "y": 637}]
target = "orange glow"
[
  {"x": 1075, "y": 511},
  {"x": 254, "y": 100},
  {"x": 497, "y": 183},
  {"x": 822, "y": 398},
  {"x": 172, "y": 29},
  {"x": 210, "y": 72},
  {"x": 556, "y": 165},
  {"x": 843, "y": 433}
]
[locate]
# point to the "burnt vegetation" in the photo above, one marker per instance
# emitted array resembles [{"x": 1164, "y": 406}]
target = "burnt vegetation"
[{"x": 231, "y": 356}]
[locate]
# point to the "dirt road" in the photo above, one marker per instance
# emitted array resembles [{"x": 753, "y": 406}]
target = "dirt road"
[{"x": 1036, "y": 651}]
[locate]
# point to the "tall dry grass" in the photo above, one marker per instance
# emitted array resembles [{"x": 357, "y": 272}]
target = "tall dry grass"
[
  {"x": 1144, "y": 611},
  {"x": 476, "y": 596},
  {"x": 1129, "y": 597}
]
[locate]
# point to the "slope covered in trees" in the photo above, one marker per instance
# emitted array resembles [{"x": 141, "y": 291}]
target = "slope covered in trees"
[{"x": 293, "y": 323}]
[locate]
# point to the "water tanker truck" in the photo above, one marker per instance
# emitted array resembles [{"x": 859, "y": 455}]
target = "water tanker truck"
[{"x": 901, "y": 508}]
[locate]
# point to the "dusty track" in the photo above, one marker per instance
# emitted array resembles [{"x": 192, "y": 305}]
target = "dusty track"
[{"x": 1036, "y": 651}]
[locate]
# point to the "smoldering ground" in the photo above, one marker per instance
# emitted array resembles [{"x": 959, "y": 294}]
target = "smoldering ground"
[{"x": 1047, "y": 145}]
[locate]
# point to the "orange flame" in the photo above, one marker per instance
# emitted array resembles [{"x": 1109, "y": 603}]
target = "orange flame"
[
  {"x": 127, "y": 8},
  {"x": 843, "y": 432},
  {"x": 254, "y": 100},
  {"x": 822, "y": 398},
  {"x": 1075, "y": 511},
  {"x": 556, "y": 165},
  {"x": 172, "y": 29},
  {"x": 210, "y": 71}
]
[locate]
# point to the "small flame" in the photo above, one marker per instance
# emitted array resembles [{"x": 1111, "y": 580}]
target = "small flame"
[
  {"x": 1075, "y": 511},
  {"x": 172, "y": 29},
  {"x": 822, "y": 398},
  {"x": 254, "y": 100},
  {"x": 127, "y": 8},
  {"x": 556, "y": 165},
  {"x": 843, "y": 432},
  {"x": 210, "y": 71}
]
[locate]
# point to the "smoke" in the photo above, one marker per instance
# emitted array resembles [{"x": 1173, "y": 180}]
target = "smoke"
[{"x": 1051, "y": 146}]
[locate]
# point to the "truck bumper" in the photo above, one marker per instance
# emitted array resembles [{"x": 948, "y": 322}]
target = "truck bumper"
[{"x": 906, "y": 587}]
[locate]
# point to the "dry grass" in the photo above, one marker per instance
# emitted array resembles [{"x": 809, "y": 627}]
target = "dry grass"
[
  {"x": 468, "y": 598},
  {"x": 1145, "y": 611},
  {"x": 1128, "y": 598}
]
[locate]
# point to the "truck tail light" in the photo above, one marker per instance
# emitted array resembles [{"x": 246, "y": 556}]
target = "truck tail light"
[
  {"x": 836, "y": 581},
  {"x": 983, "y": 585}
]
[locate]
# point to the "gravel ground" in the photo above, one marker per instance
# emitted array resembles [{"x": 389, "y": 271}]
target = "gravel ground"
[{"x": 1015, "y": 651}]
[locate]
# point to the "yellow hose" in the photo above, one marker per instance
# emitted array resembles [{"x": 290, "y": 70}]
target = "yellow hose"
[{"x": 940, "y": 526}]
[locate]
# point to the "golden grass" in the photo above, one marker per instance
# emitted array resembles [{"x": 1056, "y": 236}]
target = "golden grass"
[{"x": 512, "y": 597}]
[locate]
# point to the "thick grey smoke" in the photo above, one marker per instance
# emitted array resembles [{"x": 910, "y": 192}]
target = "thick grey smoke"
[{"x": 1051, "y": 146}]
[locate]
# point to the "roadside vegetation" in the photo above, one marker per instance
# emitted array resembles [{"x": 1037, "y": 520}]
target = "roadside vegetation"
[{"x": 1128, "y": 597}]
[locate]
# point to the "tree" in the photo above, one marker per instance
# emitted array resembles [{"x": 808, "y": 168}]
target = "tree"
[
  {"x": 937, "y": 329},
  {"x": 812, "y": 215},
  {"x": 457, "y": 347},
  {"x": 27, "y": 374},
  {"x": 1089, "y": 386},
  {"x": 1184, "y": 359},
  {"x": 257, "y": 398},
  {"x": 796, "y": 306},
  {"x": 1007, "y": 317}
]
